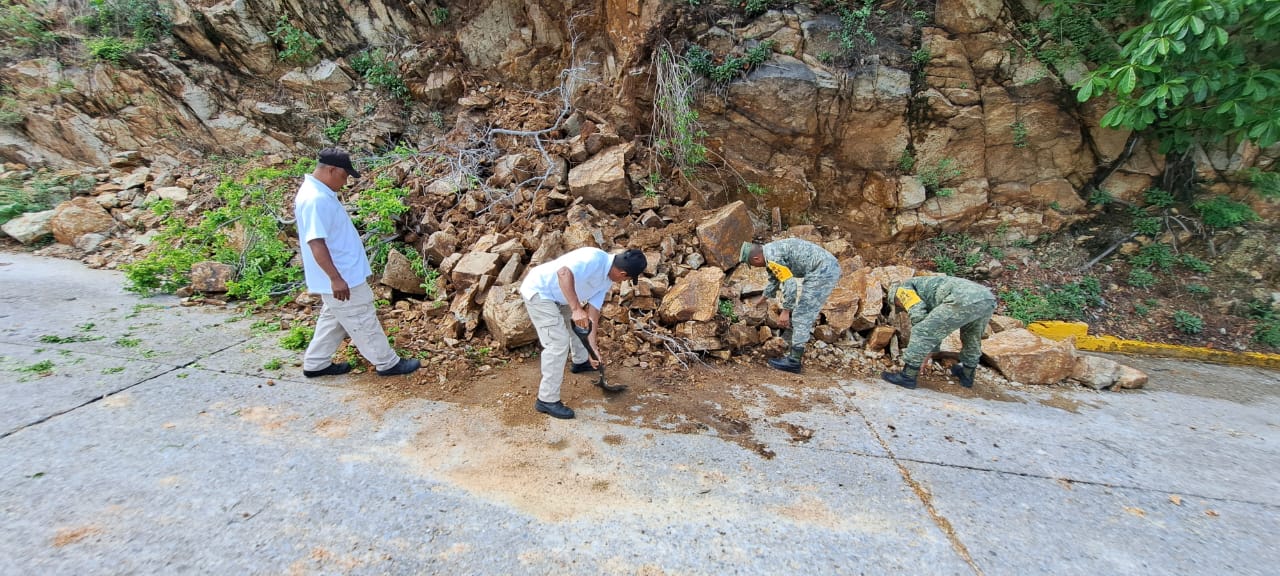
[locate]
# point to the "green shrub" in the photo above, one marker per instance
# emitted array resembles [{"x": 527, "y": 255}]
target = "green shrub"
[
  {"x": 11, "y": 113},
  {"x": 725, "y": 308},
  {"x": 756, "y": 7},
  {"x": 378, "y": 208},
  {"x": 1158, "y": 198},
  {"x": 298, "y": 338},
  {"x": 297, "y": 45},
  {"x": 145, "y": 21},
  {"x": 1067, "y": 302},
  {"x": 42, "y": 192},
  {"x": 1194, "y": 264},
  {"x": 18, "y": 24},
  {"x": 379, "y": 69},
  {"x": 1222, "y": 212},
  {"x": 1198, "y": 289},
  {"x": 1157, "y": 255},
  {"x": 1100, "y": 197},
  {"x": 855, "y": 35},
  {"x": 756, "y": 189},
  {"x": 337, "y": 130},
  {"x": 439, "y": 16},
  {"x": 1187, "y": 323},
  {"x": 702, "y": 61},
  {"x": 1266, "y": 184},
  {"x": 1139, "y": 278},
  {"x": 1019, "y": 129},
  {"x": 937, "y": 175},
  {"x": 946, "y": 265},
  {"x": 906, "y": 161},
  {"x": 109, "y": 49},
  {"x": 1147, "y": 225},
  {"x": 1267, "y": 332},
  {"x": 262, "y": 255}
]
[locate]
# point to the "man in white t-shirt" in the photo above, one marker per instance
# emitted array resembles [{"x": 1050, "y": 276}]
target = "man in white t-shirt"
[
  {"x": 337, "y": 268},
  {"x": 571, "y": 290}
]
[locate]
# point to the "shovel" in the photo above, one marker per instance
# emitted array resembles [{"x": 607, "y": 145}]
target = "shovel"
[{"x": 582, "y": 335}]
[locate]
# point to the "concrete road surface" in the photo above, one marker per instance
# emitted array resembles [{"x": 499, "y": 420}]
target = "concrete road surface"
[{"x": 141, "y": 437}]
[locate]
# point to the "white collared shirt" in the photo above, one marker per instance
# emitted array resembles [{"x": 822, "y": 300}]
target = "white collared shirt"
[
  {"x": 320, "y": 214},
  {"x": 590, "y": 268}
]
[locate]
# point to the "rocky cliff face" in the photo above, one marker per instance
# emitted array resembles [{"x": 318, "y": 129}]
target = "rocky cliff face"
[{"x": 940, "y": 124}]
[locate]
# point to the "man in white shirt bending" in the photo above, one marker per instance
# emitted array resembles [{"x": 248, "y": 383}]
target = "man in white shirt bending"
[{"x": 567, "y": 291}]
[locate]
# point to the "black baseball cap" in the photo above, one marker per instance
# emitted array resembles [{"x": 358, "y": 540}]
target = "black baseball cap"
[
  {"x": 632, "y": 262},
  {"x": 338, "y": 158}
]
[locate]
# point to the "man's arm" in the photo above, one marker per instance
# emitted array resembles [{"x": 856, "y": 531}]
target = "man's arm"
[
  {"x": 321, "y": 252},
  {"x": 564, "y": 276}
]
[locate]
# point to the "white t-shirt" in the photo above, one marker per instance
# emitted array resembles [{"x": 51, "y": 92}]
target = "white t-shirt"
[
  {"x": 320, "y": 214},
  {"x": 590, "y": 267}
]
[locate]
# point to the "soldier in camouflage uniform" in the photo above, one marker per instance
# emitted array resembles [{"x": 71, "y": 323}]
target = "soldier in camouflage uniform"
[
  {"x": 818, "y": 271},
  {"x": 938, "y": 305}
]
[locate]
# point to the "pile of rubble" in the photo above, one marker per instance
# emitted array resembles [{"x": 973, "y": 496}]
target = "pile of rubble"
[{"x": 694, "y": 302}]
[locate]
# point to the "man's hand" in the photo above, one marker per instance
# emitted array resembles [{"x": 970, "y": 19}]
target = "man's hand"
[
  {"x": 340, "y": 289},
  {"x": 784, "y": 319},
  {"x": 580, "y": 318}
]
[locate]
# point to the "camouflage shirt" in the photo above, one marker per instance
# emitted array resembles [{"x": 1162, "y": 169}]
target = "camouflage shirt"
[
  {"x": 935, "y": 290},
  {"x": 792, "y": 258}
]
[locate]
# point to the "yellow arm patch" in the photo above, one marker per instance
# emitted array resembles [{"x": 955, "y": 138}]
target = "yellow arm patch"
[
  {"x": 907, "y": 298},
  {"x": 782, "y": 273}
]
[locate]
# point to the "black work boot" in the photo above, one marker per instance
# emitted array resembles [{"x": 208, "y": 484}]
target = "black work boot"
[
  {"x": 964, "y": 373},
  {"x": 906, "y": 378},
  {"x": 555, "y": 409},
  {"x": 789, "y": 363}
]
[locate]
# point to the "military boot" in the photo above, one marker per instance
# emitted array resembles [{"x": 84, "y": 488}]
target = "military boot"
[
  {"x": 790, "y": 362},
  {"x": 906, "y": 378},
  {"x": 964, "y": 373}
]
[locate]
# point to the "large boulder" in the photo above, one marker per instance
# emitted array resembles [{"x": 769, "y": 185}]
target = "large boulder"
[
  {"x": 1098, "y": 373},
  {"x": 211, "y": 277},
  {"x": 77, "y": 217},
  {"x": 1023, "y": 356},
  {"x": 399, "y": 274},
  {"x": 695, "y": 297},
  {"x": 602, "y": 180},
  {"x": 472, "y": 267},
  {"x": 506, "y": 317},
  {"x": 722, "y": 233},
  {"x": 29, "y": 227}
]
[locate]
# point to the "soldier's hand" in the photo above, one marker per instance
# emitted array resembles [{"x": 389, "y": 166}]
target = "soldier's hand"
[{"x": 784, "y": 319}]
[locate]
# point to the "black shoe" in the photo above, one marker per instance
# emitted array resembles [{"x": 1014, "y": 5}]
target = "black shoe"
[
  {"x": 580, "y": 368},
  {"x": 555, "y": 409},
  {"x": 404, "y": 366},
  {"x": 900, "y": 379},
  {"x": 330, "y": 370},
  {"x": 786, "y": 364},
  {"x": 964, "y": 373}
]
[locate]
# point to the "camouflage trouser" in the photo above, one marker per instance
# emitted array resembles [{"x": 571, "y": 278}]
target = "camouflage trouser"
[
  {"x": 813, "y": 296},
  {"x": 971, "y": 318}
]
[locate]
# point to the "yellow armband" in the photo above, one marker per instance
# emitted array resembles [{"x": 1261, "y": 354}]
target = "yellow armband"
[
  {"x": 907, "y": 298},
  {"x": 782, "y": 273}
]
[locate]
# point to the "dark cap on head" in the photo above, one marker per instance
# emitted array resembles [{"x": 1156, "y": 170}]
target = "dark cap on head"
[
  {"x": 632, "y": 262},
  {"x": 338, "y": 158}
]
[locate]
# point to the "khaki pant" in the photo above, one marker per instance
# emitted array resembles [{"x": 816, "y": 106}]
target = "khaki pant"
[
  {"x": 553, "y": 323},
  {"x": 356, "y": 317}
]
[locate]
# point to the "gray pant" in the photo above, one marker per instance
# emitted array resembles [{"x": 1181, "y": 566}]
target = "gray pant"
[
  {"x": 814, "y": 292},
  {"x": 355, "y": 317},
  {"x": 554, "y": 324},
  {"x": 971, "y": 318}
]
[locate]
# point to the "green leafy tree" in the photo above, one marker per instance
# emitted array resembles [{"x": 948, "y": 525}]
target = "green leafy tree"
[{"x": 1195, "y": 71}]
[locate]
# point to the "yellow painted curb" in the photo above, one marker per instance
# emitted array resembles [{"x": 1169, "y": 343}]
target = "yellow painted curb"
[{"x": 1055, "y": 330}]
